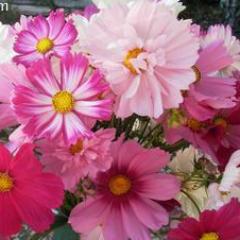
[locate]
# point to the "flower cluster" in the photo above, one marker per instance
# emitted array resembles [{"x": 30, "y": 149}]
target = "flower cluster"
[{"x": 119, "y": 122}]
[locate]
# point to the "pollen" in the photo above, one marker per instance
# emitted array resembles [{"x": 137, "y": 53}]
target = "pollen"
[
  {"x": 221, "y": 122},
  {"x": 194, "y": 124},
  {"x": 119, "y": 185},
  {"x": 44, "y": 45},
  {"x": 6, "y": 182},
  {"x": 76, "y": 148},
  {"x": 198, "y": 75},
  {"x": 63, "y": 102},
  {"x": 210, "y": 236},
  {"x": 132, "y": 54}
]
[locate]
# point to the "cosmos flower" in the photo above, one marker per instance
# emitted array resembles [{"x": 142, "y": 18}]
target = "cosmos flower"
[
  {"x": 10, "y": 74},
  {"x": 231, "y": 175},
  {"x": 210, "y": 92},
  {"x": 145, "y": 66},
  {"x": 212, "y": 225},
  {"x": 44, "y": 37},
  {"x": 84, "y": 158},
  {"x": 224, "y": 33},
  {"x": 183, "y": 165},
  {"x": 27, "y": 195},
  {"x": 174, "y": 5},
  {"x": 124, "y": 202},
  {"x": 60, "y": 100},
  {"x": 6, "y": 43}
]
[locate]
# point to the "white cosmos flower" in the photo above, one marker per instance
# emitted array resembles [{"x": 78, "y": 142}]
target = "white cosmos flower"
[
  {"x": 231, "y": 176},
  {"x": 6, "y": 43},
  {"x": 216, "y": 198},
  {"x": 183, "y": 162}
]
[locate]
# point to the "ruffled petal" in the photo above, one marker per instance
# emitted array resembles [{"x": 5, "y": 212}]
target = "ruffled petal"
[{"x": 56, "y": 22}]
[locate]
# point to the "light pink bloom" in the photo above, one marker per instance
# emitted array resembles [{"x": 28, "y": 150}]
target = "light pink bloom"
[
  {"x": 144, "y": 64},
  {"x": 210, "y": 92},
  {"x": 232, "y": 44},
  {"x": 59, "y": 103},
  {"x": 6, "y": 43},
  {"x": 125, "y": 201},
  {"x": 44, "y": 37},
  {"x": 85, "y": 157},
  {"x": 10, "y": 74}
]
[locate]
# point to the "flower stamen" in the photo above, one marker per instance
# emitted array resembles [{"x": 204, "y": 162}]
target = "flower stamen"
[
  {"x": 6, "y": 182},
  {"x": 76, "y": 148},
  {"x": 44, "y": 45},
  {"x": 194, "y": 124},
  {"x": 119, "y": 185},
  {"x": 132, "y": 54},
  {"x": 210, "y": 236},
  {"x": 198, "y": 74},
  {"x": 63, "y": 102}
]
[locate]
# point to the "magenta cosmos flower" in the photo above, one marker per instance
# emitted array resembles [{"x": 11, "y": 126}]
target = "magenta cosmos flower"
[
  {"x": 27, "y": 195},
  {"x": 144, "y": 64},
  {"x": 212, "y": 225},
  {"x": 211, "y": 92},
  {"x": 85, "y": 157},
  {"x": 125, "y": 204},
  {"x": 44, "y": 37},
  {"x": 61, "y": 102}
]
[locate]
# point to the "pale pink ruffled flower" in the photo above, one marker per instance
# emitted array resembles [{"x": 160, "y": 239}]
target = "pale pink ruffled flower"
[
  {"x": 232, "y": 44},
  {"x": 144, "y": 64},
  {"x": 6, "y": 43},
  {"x": 10, "y": 75},
  {"x": 125, "y": 204},
  {"x": 44, "y": 37},
  {"x": 61, "y": 103},
  {"x": 85, "y": 157},
  {"x": 210, "y": 92}
]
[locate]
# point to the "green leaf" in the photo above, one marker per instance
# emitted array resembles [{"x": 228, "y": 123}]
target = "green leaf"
[{"x": 65, "y": 232}]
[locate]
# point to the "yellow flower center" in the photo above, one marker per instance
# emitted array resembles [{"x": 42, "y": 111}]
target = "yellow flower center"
[
  {"x": 131, "y": 55},
  {"x": 119, "y": 185},
  {"x": 63, "y": 102},
  {"x": 76, "y": 148},
  {"x": 221, "y": 122},
  {"x": 6, "y": 182},
  {"x": 194, "y": 124},
  {"x": 44, "y": 45},
  {"x": 210, "y": 236},
  {"x": 197, "y": 72}
]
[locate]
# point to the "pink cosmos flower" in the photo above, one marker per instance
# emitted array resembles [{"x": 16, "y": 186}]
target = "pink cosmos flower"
[
  {"x": 125, "y": 201},
  {"x": 27, "y": 195},
  {"x": 85, "y": 157},
  {"x": 232, "y": 44},
  {"x": 223, "y": 135},
  {"x": 218, "y": 137},
  {"x": 144, "y": 64},
  {"x": 44, "y": 37},
  {"x": 210, "y": 92},
  {"x": 215, "y": 225},
  {"x": 10, "y": 74},
  {"x": 60, "y": 100}
]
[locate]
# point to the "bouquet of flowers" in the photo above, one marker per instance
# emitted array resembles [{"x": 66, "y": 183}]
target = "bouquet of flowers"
[{"x": 119, "y": 122}]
